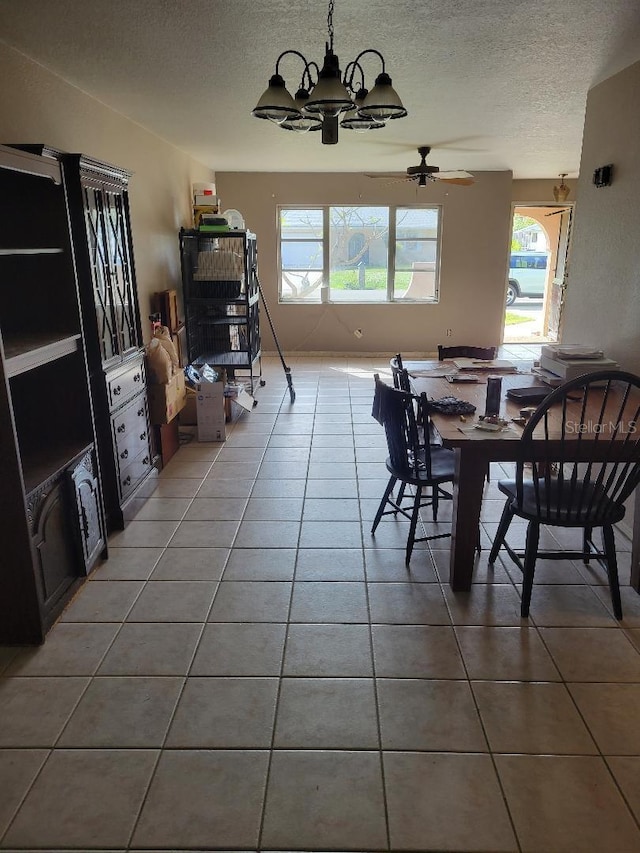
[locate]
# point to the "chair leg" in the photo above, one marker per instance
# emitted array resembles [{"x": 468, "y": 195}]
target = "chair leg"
[
  {"x": 383, "y": 503},
  {"x": 501, "y": 532},
  {"x": 609, "y": 543},
  {"x": 413, "y": 524},
  {"x": 586, "y": 550},
  {"x": 401, "y": 491},
  {"x": 530, "y": 554},
  {"x": 435, "y": 501}
]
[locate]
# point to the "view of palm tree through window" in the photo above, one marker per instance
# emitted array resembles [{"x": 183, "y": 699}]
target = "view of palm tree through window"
[{"x": 359, "y": 254}]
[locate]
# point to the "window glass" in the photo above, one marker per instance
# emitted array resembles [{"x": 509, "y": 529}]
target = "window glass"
[
  {"x": 301, "y": 254},
  {"x": 416, "y": 254},
  {"x": 356, "y": 258},
  {"x": 358, "y": 240}
]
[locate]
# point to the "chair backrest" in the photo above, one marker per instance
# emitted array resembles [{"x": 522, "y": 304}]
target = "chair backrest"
[
  {"x": 484, "y": 353},
  {"x": 405, "y": 418},
  {"x": 400, "y": 375},
  {"x": 588, "y": 462}
]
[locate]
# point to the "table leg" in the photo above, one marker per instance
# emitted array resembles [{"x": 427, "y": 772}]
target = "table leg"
[
  {"x": 635, "y": 547},
  {"x": 471, "y": 467}
]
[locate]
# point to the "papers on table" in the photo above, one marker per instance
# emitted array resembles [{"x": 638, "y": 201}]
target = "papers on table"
[{"x": 496, "y": 365}]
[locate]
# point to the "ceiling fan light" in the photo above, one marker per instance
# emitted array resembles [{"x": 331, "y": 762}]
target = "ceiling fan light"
[
  {"x": 276, "y": 104},
  {"x": 383, "y": 102},
  {"x": 329, "y": 97}
]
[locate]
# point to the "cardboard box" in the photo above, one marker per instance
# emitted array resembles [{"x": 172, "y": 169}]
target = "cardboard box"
[
  {"x": 210, "y": 411},
  {"x": 165, "y": 401},
  {"x": 167, "y": 440},
  {"x": 189, "y": 414},
  {"x": 165, "y": 303}
]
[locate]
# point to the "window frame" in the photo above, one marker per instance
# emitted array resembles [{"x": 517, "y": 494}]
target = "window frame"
[{"x": 325, "y": 288}]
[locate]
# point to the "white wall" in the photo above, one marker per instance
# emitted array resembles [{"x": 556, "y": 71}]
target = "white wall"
[
  {"x": 603, "y": 293},
  {"x": 38, "y": 107},
  {"x": 475, "y": 241}
]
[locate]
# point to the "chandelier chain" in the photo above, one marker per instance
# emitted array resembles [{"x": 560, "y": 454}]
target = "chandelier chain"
[{"x": 330, "y": 23}]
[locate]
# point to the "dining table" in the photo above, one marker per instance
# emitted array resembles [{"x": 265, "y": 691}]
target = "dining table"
[{"x": 476, "y": 448}]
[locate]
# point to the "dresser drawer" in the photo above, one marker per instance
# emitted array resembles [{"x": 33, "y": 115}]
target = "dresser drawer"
[
  {"x": 124, "y": 384},
  {"x": 130, "y": 425},
  {"x": 136, "y": 470}
]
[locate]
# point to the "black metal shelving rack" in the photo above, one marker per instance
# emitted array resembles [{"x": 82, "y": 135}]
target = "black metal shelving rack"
[{"x": 221, "y": 302}]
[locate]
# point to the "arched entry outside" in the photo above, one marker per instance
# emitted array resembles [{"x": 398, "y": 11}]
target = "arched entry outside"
[{"x": 537, "y": 254}]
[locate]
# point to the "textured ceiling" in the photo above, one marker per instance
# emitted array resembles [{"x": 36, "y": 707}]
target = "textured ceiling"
[{"x": 488, "y": 84}]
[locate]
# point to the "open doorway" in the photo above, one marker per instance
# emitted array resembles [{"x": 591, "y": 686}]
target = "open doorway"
[{"x": 537, "y": 273}]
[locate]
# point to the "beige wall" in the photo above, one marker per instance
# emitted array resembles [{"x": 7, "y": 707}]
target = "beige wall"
[
  {"x": 603, "y": 292},
  {"x": 540, "y": 191},
  {"x": 475, "y": 237},
  {"x": 36, "y": 106}
]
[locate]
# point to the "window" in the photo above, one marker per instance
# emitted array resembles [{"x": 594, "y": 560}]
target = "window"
[{"x": 359, "y": 254}]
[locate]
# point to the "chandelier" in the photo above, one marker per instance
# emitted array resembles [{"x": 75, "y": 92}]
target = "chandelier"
[{"x": 324, "y": 94}]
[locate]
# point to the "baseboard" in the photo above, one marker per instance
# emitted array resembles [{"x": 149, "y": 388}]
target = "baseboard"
[{"x": 334, "y": 354}]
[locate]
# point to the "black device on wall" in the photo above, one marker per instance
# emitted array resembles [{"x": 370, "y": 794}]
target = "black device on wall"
[{"x": 602, "y": 176}]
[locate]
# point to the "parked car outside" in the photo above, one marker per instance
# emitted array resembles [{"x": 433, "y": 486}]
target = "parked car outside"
[{"x": 527, "y": 275}]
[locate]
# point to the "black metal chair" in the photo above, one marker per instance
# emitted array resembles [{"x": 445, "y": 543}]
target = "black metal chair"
[
  {"x": 587, "y": 494},
  {"x": 484, "y": 353},
  {"x": 412, "y": 460}
]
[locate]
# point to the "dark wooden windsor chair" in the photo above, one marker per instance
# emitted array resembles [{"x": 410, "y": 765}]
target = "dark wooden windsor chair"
[{"x": 581, "y": 474}]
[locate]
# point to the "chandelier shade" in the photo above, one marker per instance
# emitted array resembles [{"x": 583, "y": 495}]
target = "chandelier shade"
[
  {"x": 329, "y": 97},
  {"x": 357, "y": 120},
  {"x": 276, "y": 104},
  {"x": 303, "y": 122},
  {"x": 325, "y": 94},
  {"x": 383, "y": 102}
]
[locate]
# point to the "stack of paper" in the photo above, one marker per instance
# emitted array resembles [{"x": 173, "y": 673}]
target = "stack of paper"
[
  {"x": 561, "y": 362},
  {"x": 572, "y": 351}
]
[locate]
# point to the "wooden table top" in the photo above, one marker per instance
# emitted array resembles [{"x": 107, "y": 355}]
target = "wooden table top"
[{"x": 457, "y": 430}]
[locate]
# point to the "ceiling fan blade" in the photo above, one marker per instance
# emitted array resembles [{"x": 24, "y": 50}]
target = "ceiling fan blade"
[
  {"x": 463, "y": 182},
  {"x": 386, "y": 175},
  {"x": 459, "y": 173}
]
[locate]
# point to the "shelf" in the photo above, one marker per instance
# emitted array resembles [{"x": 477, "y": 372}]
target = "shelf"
[
  {"x": 237, "y": 358},
  {"x": 38, "y": 465},
  {"x": 36, "y": 251},
  {"x": 231, "y": 320},
  {"x": 217, "y": 300},
  {"x": 31, "y": 351}
]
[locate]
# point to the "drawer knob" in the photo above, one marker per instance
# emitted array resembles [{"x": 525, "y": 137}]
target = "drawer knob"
[
  {"x": 124, "y": 454},
  {"x": 145, "y": 461},
  {"x": 143, "y": 435},
  {"x": 117, "y": 390},
  {"x": 140, "y": 412},
  {"x": 126, "y": 480},
  {"x": 121, "y": 428},
  {"x": 137, "y": 377}
]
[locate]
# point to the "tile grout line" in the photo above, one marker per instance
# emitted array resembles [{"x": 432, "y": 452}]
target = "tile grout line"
[{"x": 271, "y": 747}]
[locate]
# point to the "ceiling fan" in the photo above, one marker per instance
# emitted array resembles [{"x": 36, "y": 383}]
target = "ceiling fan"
[{"x": 423, "y": 173}]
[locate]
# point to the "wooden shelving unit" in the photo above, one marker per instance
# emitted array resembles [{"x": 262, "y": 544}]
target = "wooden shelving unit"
[{"x": 50, "y": 496}]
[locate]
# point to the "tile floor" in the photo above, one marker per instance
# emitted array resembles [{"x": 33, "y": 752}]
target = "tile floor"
[{"x": 251, "y": 670}]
